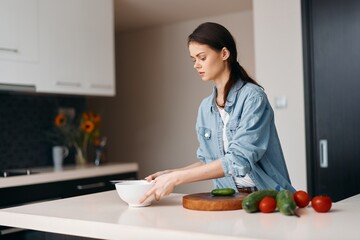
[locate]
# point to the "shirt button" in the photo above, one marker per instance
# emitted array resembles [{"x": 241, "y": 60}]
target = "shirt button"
[{"x": 207, "y": 135}]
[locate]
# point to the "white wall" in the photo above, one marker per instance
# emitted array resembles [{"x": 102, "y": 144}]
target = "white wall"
[
  {"x": 279, "y": 69},
  {"x": 152, "y": 119}
]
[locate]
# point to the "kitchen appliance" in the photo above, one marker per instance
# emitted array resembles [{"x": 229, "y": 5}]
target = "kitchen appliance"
[{"x": 208, "y": 202}]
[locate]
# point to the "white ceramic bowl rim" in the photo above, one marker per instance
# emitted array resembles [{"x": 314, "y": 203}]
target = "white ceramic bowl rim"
[{"x": 133, "y": 182}]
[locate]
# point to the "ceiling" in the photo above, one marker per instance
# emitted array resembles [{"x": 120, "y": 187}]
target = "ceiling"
[{"x": 136, "y": 14}]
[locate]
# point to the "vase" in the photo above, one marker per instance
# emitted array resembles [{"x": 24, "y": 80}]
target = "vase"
[{"x": 80, "y": 157}]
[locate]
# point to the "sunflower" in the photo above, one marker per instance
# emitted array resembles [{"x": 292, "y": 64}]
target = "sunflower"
[
  {"x": 60, "y": 120},
  {"x": 85, "y": 116},
  {"x": 96, "y": 118},
  {"x": 88, "y": 126}
]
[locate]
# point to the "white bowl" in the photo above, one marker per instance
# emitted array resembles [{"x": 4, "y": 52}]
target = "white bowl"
[{"x": 131, "y": 191}]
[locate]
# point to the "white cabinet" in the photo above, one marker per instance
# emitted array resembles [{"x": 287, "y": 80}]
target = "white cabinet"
[
  {"x": 74, "y": 47},
  {"x": 18, "y": 33},
  {"x": 77, "y": 46},
  {"x": 18, "y": 39}
]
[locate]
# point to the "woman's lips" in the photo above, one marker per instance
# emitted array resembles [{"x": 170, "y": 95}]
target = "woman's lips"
[{"x": 201, "y": 73}]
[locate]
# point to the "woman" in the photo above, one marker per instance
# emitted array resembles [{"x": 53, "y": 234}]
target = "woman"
[{"x": 239, "y": 146}]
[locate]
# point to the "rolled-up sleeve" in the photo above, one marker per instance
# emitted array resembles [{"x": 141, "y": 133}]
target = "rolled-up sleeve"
[{"x": 250, "y": 138}]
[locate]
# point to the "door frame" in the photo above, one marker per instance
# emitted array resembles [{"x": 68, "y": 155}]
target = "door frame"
[{"x": 310, "y": 123}]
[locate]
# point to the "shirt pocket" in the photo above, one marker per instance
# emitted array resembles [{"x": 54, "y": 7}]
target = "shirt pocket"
[
  {"x": 204, "y": 133},
  {"x": 207, "y": 147}
]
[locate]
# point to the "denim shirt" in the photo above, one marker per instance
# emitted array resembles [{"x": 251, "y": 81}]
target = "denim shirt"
[{"x": 254, "y": 146}]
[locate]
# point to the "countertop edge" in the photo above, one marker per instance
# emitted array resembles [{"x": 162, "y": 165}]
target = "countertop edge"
[
  {"x": 69, "y": 174},
  {"x": 108, "y": 231}
]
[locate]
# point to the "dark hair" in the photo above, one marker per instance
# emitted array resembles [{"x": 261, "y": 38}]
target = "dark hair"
[{"x": 217, "y": 37}]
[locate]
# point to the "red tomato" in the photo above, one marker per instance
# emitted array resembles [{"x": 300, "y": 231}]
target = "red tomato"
[
  {"x": 321, "y": 203},
  {"x": 267, "y": 205},
  {"x": 301, "y": 198}
]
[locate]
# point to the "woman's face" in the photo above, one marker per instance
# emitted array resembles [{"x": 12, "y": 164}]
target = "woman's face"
[{"x": 210, "y": 64}]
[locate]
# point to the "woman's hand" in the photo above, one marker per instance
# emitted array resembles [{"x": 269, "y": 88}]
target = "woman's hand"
[
  {"x": 163, "y": 185},
  {"x": 155, "y": 175},
  {"x": 164, "y": 182}
]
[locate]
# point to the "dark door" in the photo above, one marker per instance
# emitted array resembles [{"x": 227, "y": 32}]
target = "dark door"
[{"x": 331, "y": 30}]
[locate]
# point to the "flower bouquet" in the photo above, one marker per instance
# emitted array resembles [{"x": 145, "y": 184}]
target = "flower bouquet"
[{"x": 79, "y": 133}]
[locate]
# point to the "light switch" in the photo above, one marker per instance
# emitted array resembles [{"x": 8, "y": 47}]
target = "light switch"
[{"x": 280, "y": 102}]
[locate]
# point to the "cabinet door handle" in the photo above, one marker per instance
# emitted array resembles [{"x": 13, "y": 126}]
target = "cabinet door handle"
[
  {"x": 105, "y": 86},
  {"x": 17, "y": 87},
  {"x": 68, "y": 84},
  {"x": 14, "y": 50},
  {"x": 90, "y": 186},
  {"x": 323, "y": 153},
  {"x": 10, "y": 230}
]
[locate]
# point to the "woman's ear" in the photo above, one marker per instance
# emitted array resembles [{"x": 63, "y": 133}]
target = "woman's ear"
[{"x": 225, "y": 53}]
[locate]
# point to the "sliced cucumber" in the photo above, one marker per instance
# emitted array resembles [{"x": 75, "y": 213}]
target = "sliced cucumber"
[{"x": 223, "y": 192}]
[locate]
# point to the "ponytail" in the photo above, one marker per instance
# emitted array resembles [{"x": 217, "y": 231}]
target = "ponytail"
[{"x": 237, "y": 71}]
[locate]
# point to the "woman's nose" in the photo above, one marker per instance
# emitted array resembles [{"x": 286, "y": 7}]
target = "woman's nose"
[{"x": 196, "y": 65}]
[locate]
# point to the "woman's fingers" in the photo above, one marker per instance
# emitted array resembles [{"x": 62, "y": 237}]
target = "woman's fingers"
[
  {"x": 163, "y": 185},
  {"x": 152, "y": 177},
  {"x": 149, "y": 178},
  {"x": 148, "y": 194}
]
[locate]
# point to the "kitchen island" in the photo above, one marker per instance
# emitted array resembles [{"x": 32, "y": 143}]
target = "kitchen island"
[{"x": 105, "y": 216}]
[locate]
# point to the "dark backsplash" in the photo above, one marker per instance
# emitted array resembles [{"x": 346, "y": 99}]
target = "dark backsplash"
[{"x": 25, "y": 120}]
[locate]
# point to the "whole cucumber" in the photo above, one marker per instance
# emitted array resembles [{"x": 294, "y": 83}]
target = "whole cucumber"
[
  {"x": 251, "y": 203},
  {"x": 223, "y": 192},
  {"x": 286, "y": 203}
]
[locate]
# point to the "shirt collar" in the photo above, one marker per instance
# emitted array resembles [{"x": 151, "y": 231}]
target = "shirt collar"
[{"x": 230, "y": 98}]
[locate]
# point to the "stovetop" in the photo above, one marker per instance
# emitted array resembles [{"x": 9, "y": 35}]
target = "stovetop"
[{"x": 16, "y": 172}]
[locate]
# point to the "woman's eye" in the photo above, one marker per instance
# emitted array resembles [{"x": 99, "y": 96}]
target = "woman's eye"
[{"x": 194, "y": 60}]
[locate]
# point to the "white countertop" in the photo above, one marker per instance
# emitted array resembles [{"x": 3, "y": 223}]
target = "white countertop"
[
  {"x": 106, "y": 216},
  {"x": 45, "y": 175}
]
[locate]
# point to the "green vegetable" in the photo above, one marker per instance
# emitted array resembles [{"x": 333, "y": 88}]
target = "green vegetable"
[
  {"x": 286, "y": 203},
  {"x": 223, "y": 192},
  {"x": 251, "y": 203}
]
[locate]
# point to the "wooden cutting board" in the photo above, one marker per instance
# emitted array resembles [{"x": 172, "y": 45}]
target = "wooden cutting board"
[{"x": 208, "y": 202}]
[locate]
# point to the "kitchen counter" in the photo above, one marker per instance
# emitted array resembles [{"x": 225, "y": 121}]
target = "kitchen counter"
[
  {"x": 105, "y": 216},
  {"x": 46, "y": 175}
]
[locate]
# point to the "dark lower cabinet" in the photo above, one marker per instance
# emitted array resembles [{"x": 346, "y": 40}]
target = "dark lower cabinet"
[
  {"x": 14, "y": 196},
  {"x": 37, "y": 235}
]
